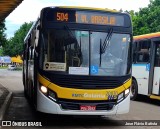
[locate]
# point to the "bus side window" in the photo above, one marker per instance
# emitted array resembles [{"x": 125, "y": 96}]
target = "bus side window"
[
  {"x": 143, "y": 53},
  {"x": 157, "y": 55},
  {"x": 134, "y": 51}
]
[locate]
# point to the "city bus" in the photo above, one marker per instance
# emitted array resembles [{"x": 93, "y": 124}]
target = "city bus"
[
  {"x": 77, "y": 61},
  {"x": 146, "y": 66}
]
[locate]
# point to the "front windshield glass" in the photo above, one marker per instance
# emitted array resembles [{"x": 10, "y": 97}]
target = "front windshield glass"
[
  {"x": 68, "y": 51},
  {"x": 112, "y": 61}
]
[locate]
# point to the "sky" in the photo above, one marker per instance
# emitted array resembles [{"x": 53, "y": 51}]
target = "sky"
[{"x": 29, "y": 10}]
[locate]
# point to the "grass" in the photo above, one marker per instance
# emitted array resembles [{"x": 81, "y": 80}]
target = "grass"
[
  {"x": 19, "y": 68},
  {"x": 4, "y": 67}
]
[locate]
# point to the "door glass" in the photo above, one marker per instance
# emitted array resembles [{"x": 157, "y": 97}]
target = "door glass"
[
  {"x": 157, "y": 55},
  {"x": 143, "y": 51}
]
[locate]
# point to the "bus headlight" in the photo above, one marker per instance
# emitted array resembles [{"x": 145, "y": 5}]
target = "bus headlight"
[
  {"x": 123, "y": 95},
  {"x": 126, "y": 92},
  {"x": 120, "y": 97},
  {"x": 49, "y": 93},
  {"x": 44, "y": 89}
]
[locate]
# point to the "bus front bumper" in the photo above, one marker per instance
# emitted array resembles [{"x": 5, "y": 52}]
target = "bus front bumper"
[{"x": 46, "y": 105}]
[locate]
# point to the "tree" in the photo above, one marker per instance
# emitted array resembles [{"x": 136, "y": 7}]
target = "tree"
[
  {"x": 14, "y": 46},
  {"x": 2, "y": 36},
  {"x": 1, "y": 52},
  {"x": 147, "y": 20}
]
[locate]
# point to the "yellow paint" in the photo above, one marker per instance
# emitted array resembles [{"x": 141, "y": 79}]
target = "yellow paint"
[
  {"x": 82, "y": 94},
  {"x": 155, "y": 97},
  {"x": 128, "y": 83},
  {"x": 43, "y": 81}
]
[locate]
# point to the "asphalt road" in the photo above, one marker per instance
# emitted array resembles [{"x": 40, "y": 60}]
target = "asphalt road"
[{"x": 20, "y": 110}]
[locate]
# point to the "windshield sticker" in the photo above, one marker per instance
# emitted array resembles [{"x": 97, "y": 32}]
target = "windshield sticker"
[
  {"x": 79, "y": 70},
  {"x": 94, "y": 69},
  {"x": 82, "y": 34},
  {"x": 55, "y": 66},
  {"x": 124, "y": 40}
]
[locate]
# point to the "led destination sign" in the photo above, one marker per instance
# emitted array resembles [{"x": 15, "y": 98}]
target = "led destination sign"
[{"x": 86, "y": 17}]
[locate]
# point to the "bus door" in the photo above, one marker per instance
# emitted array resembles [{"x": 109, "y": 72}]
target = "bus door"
[
  {"x": 141, "y": 66},
  {"x": 156, "y": 69}
]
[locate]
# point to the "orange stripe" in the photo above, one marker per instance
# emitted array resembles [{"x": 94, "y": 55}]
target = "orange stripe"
[{"x": 147, "y": 36}]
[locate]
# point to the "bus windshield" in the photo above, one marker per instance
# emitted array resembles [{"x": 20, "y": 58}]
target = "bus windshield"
[{"x": 80, "y": 52}]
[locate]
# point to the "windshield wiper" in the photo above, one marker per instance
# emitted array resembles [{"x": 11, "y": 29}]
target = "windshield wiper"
[
  {"x": 100, "y": 60},
  {"x": 104, "y": 46},
  {"x": 106, "y": 42}
]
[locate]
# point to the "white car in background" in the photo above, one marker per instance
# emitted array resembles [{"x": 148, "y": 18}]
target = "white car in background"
[{"x": 11, "y": 67}]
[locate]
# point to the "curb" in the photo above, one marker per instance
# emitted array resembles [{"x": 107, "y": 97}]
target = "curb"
[{"x": 5, "y": 105}]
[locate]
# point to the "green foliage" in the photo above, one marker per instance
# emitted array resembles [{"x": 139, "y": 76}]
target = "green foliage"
[
  {"x": 14, "y": 46},
  {"x": 2, "y": 34},
  {"x": 1, "y": 52},
  {"x": 147, "y": 20}
]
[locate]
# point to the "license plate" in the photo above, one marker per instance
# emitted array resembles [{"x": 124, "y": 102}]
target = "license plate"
[{"x": 87, "y": 108}]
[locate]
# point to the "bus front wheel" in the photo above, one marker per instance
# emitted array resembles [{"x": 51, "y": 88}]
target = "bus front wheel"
[{"x": 134, "y": 90}]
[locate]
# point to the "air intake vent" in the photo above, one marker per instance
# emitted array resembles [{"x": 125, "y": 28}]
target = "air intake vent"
[
  {"x": 75, "y": 105},
  {"x": 85, "y": 82}
]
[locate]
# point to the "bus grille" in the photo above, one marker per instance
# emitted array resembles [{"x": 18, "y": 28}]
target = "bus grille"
[
  {"x": 86, "y": 82},
  {"x": 76, "y": 106}
]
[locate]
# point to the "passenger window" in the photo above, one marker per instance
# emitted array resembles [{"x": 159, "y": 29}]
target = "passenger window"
[
  {"x": 143, "y": 52},
  {"x": 157, "y": 56},
  {"x": 134, "y": 47}
]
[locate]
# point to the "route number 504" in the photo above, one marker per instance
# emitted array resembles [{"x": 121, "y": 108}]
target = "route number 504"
[{"x": 62, "y": 16}]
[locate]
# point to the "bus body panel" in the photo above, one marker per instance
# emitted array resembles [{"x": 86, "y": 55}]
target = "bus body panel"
[
  {"x": 67, "y": 94},
  {"x": 156, "y": 81},
  {"x": 142, "y": 79}
]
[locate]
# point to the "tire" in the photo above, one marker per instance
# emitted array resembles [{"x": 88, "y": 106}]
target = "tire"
[{"x": 134, "y": 90}]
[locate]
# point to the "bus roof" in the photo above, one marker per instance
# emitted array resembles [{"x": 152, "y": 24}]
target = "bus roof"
[
  {"x": 147, "y": 36},
  {"x": 87, "y": 8}
]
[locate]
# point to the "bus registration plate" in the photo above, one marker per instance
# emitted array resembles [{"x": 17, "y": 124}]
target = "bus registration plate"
[{"x": 87, "y": 107}]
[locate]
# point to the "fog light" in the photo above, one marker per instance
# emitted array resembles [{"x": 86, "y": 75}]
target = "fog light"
[
  {"x": 44, "y": 89},
  {"x": 120, "y": 97},
  {"x": 52, "y": 95}
]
